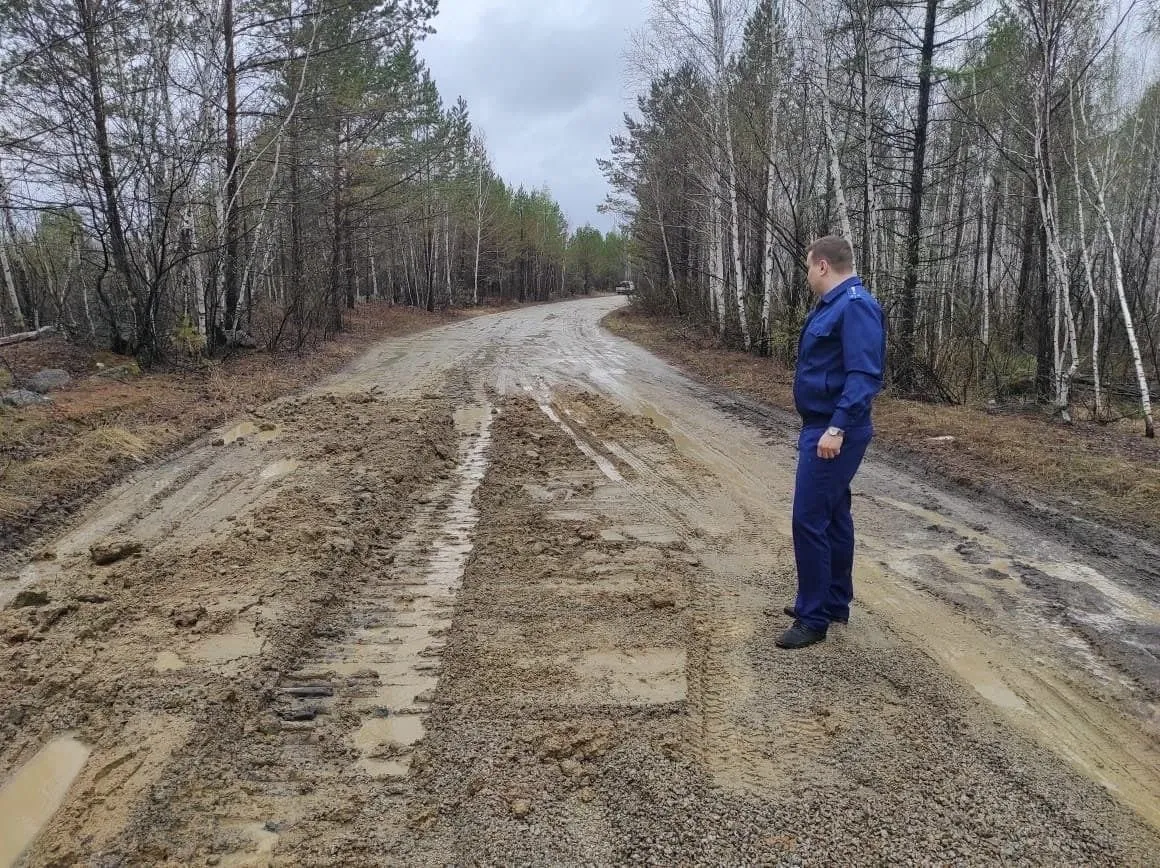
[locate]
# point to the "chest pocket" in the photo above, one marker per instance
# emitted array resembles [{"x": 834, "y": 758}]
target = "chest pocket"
[
  {"x": 821, "y": 330},
  {"x": 823, "y": 338}
]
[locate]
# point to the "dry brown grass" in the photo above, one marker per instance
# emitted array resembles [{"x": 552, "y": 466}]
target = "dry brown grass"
[
  {"x": 1107, "y": 473},
  {"x": 90, "y": 454},
  {"x": 66, "y": 471}
]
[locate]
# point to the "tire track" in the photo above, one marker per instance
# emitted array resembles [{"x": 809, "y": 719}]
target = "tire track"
[{"x": 718, "y": 674}]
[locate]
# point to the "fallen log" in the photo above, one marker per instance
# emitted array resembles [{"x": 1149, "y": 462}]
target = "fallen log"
[{"x": 21, "y": 337}]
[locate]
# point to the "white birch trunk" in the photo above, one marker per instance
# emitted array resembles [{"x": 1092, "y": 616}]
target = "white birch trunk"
[
  {"x": 868, "y": 152},
  {"x": 822, "y": 61},
  {"x": 982, "y": 243},
  {"x": 85, "y": 293},
  {"x": 19, "y": 321},
  {"x": 1125, "y": 309},
  {"x": 717, "y": 281},
  {"x": 447, "y": 250},
  {"x": 1057, "y": 263},
  {"x": 716, "y": 255},
  {"x": 722, "y": 112},
  {"x": 835, "y": 166},
  {"x": 665, "y": 242},
  {"x": 768, "y": 259},
  {"x": 564, "y": 266},
  {"x": 1001, "y": 245},
  {"x": 738, "y": 270}
]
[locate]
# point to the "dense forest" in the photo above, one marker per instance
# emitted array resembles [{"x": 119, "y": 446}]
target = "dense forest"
[
  {"x": 995, "y": 165},
  {"x": 180, "y": 177}
]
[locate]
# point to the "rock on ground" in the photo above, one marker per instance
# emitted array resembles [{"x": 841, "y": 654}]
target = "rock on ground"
[
  {"x": 22, "y": 398},
  {"x": 47, "y": 380},
  {"x": 112, "y": 550}
]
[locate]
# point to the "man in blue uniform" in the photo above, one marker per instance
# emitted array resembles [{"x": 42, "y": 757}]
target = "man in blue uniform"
[{"x": 839, "y": 371}]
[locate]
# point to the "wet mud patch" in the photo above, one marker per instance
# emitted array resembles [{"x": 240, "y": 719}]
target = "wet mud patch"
[
  {"x": 1132, "y": 647},
  {"x": 169, "y": 663},
  {"x": 30, "y": 797},
  {"x": 1126, "y": 637},
  {"x": 1063, "y": 593}
]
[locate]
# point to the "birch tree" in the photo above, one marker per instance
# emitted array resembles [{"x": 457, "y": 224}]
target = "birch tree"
[{"x": 944, "y": 142}]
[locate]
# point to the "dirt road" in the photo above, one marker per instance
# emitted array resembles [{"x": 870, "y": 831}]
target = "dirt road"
[{"x": 507, "y": 591}]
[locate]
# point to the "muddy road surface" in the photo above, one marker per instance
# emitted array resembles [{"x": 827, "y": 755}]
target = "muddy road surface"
[{"x": 506, "y": 592}]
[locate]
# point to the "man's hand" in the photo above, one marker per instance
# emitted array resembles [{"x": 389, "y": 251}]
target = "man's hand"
[{"x": 829, "y": 446}]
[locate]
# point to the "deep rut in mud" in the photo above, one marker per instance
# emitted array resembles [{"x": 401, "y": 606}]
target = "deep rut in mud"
[{"x": 407, "y": 619}]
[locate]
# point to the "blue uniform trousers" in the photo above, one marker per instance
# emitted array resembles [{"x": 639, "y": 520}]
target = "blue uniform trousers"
[{"x": 823, "y": 528}]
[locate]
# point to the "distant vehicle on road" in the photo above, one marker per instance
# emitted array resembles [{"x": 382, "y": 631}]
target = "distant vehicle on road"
[{"x": 625, "y": 287}]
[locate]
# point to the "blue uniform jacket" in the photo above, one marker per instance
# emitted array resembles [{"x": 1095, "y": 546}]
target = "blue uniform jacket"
[{"x": 841, "y": 355}]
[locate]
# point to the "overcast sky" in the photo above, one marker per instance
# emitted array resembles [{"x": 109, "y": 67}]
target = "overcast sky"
[{"x": 544, "y": 81}]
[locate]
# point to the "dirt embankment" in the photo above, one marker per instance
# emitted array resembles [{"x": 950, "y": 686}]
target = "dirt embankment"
[
  {"x": 1105, "y": 473},
  {"x": 111, "y": 419}
]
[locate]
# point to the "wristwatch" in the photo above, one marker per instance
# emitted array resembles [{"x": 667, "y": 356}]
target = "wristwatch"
[{"x": 835, "y": 431}]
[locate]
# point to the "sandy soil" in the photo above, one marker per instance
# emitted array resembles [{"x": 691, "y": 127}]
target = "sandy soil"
[{"x": 506, "y": 592}]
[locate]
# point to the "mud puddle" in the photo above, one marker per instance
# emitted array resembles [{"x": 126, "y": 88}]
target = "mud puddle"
[
  {"x": 32, "y": 795},
  {"x": 278, "y": 469},
  {"x": 230, "y": 648},
  {"x": 633, "y": 676},
  {"x": 167, "y": 661},
  {"x": 262, "y": 432},
  {"x": 264, "y": 841}
]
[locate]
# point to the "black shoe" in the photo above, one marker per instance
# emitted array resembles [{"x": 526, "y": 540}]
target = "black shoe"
[
  {"x": 799, "y": 636},
  {"x": 792, "y": 612}
]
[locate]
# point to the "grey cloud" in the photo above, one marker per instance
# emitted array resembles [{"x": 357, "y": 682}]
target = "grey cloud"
[
  {"x": 543, "y": 70},
  {"x": 544, "y": 83}
]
